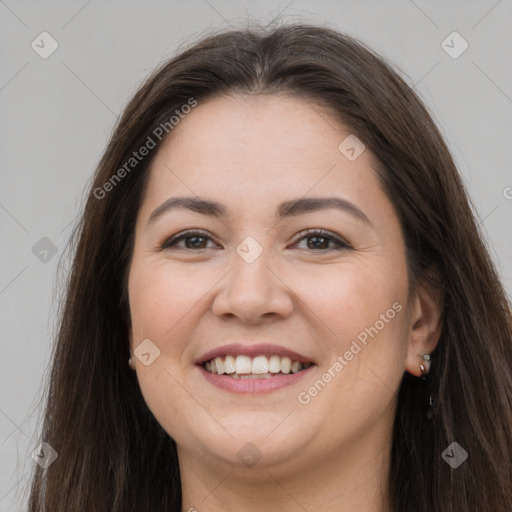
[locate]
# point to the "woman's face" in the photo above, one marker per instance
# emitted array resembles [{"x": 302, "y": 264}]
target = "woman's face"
[{"x": 254, "y": 283}]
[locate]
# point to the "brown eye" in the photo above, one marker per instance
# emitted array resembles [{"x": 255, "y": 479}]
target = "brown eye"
[
  {"x": 193, "y": 240},
  {"x": 319, "y": 240}
]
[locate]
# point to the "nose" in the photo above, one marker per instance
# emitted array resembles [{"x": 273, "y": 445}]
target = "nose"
[{"x": 253, "y": 292}]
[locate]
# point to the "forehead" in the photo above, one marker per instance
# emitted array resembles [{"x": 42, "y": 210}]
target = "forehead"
[
  {"x": 236, "y": 128},
  {"x": 248, "y": 150}
]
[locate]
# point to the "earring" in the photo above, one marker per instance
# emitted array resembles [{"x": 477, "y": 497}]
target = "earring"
[
  {"x": 424, "y": 365},
  {"x": 130, "y": 363},
  {"x": 425, "y": 369}
]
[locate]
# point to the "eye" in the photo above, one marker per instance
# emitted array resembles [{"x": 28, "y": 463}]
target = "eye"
[
  {"x": 321, "y": 238},
  {"x": 197, "y": 240}
]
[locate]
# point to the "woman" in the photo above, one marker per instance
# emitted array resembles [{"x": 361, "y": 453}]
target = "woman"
[{"x": 279, "y": 299}]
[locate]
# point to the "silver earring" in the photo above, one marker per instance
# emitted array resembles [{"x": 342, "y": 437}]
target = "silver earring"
[
  {"x": 425, "y": 365},
  {"x": 130, "y": 363}
]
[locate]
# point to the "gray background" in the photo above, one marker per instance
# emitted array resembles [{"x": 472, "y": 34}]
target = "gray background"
[{"x": 57, "y": 113}]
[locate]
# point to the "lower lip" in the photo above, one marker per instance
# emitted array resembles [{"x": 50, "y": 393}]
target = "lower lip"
[{"x": 254, "y": 385}]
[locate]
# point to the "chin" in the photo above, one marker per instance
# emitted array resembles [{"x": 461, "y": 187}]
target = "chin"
[{"x": 262, "y": 437}]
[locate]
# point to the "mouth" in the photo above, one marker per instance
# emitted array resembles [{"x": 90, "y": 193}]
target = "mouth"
[
  {"x": 252, "y": 369},
  {"x": 259, "y": 367}
]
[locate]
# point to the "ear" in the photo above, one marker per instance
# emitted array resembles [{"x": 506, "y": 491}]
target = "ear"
[{"x": 426, "y": 305}]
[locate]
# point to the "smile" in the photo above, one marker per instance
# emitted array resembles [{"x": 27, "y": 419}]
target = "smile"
[{"x": 259, "y": 367}]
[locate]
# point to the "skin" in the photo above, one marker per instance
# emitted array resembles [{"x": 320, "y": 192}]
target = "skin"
[{"x": 331, "y": 454}]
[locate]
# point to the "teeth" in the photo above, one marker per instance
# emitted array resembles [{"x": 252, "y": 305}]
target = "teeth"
[
  {"x": 286, "y": 364},
  {"x": 219, "y": 363},
  {"x": 259, "y": 365},
  {"x": 229, "y": 364},
  {"x": 243, "y": 364},
  {"x": 274, "y": 364},
  {"x": 263, "y": 376},
  {"x": 245, "y": 367},
  {"x": 296, "y": 367}
]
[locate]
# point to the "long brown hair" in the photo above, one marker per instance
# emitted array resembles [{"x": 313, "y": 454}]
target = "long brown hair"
[{"x": 115, "y": 457}]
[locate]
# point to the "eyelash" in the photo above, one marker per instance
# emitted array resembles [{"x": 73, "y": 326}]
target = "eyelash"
[{"x": 309, "y": 233}]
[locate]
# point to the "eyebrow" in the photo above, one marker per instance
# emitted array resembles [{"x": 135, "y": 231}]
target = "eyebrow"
[{"x": 285, "y": 209}]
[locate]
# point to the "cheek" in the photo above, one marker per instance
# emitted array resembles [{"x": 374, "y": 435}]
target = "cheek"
[
  {"x": 161, "y": 305},
  {"x": 161, "y": 298},
  {"x": 353, "y": 296},
  {"x": 362, "y": 308}
]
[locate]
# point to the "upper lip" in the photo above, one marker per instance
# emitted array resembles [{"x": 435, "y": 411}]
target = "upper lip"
[{"x": 237, "y": 349}]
